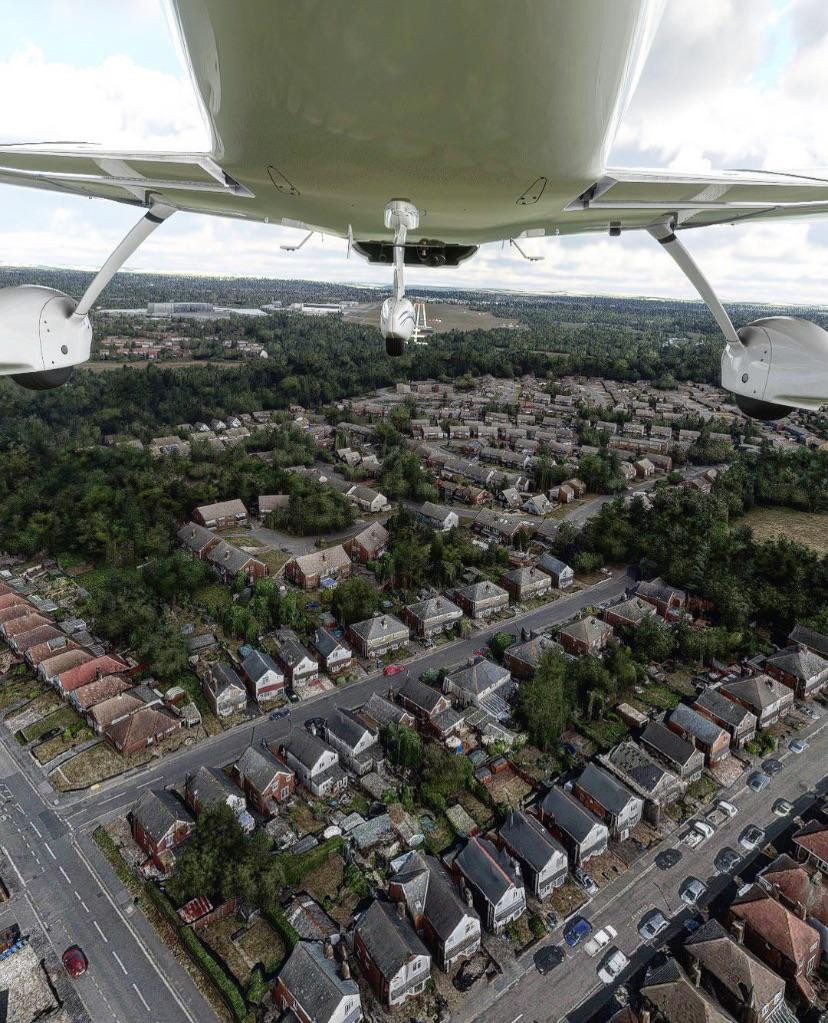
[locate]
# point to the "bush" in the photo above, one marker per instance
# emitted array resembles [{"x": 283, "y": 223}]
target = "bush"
[
  {"x": 221, "y": 980},
  {"x": 280, "y": 923}
]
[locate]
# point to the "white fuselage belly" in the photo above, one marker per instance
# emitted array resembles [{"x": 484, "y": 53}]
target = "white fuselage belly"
[{"x": 326, "y": 110}]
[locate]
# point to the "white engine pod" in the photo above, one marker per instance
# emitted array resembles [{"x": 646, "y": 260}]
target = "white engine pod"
[
  {"x": 782, "y": 360},
  {"x": 397, "y": 318},
  {"x": 38, "y": 331}
]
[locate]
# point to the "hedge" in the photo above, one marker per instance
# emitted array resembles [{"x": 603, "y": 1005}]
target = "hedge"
[
  {"x": 296, "y": 867},
  {"x": 283, "y": 927},
  {"x": 224, "y": 985}
]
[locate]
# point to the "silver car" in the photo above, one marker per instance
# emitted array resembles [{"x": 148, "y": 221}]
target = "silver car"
[{"x": 652, "y": 925}]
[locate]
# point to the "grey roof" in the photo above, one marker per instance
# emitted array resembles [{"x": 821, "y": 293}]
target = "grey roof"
[
  {"x": 437, "y": 512},
  {"x": 670, "y": 745},
  {"x": 480, "y": 677},
  {"x": 657, "y": 589},
  {"x": 291, "y": 651},
  {"x": 811, "y": 638},
  {"x": 222, "y": 509},
  {"x": 525, "y": 575},
  {"x": 434, "y": 608},
  {"x": 421, "y": 695},
  {"x": 258, "y": 664},
  {"x": 529, "y": 839},
  {"x": 325, "y": 642},
  {"x": 229, "y": 558},
  {"x": 484, "y": 590},
  {"x": 315, "y": 981},
  {"x": 195, "y": 537},
  {"x": 426, "y": 882},
  {"x": 758, "y": 690},
  {"x": 380, "y": 627},
  {"x": 531, "y": 650},
  {"x": 222, "y": 677},
  {"x": 636, "y": 609},
  {"x": 307, "y": 748},
  {"x": 696, "y": 724},
  {"x": 487, "y": 868},
  {"x": 802, "y": 663},
  {"x": 589, "y": 629},
  {"x": 552, "y": 564},
  {"x": 714, "y": 702},
  {"x": 347, "y": 727},
  {"x": 638, "y": 766},
  {"x": 259, "y": 766},
  {"x": 383, "y": 711},
  {"x": 570, "y": 815},
  {"x": 158, "y": 810},
  {"x": 209, "y": 786},
  {"x": 390, "y": 939},
  {"x": 611, "y": 794}
]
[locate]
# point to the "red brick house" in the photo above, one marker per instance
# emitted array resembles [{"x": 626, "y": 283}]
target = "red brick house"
[
  {"x": 221, "y": 515},
  {"x": 264, "y": 779},
  {"x": 160, "y": 822},
  {"x": 144, "y": 727},
  {"x": 369, "y": 544},
  {"x": 83, "y": 674},
  {"x": 587, "y": 636}
]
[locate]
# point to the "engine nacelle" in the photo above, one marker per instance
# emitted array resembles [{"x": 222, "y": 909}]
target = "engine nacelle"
[
  {"x": 781, "y": 364},
  {"x": 40, "y": 339},
  {"x": 397, "y": 323}
]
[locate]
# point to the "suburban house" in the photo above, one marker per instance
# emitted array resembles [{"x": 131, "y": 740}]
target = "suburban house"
[
  {"x": 335, "y": 655},
  {"x": 740, "y": 982},
  {"x": 792, "y": 885},
  {"x": 266, "y": 679},
  {"x": 800, "y": 635},
  {"x": 672, "y": 998},
  {"x": 357, "y": 744},
  {"x": 309, "y": 570},
  {"x": 560, "y": 573},
  {"x": 580, "y": 832},
  {"x": 543, "y": 860},
  {"x": 537, "y": 504},
  {"x": 314, "y": 988},
  {"x": 811, "y": 844},
  {"x": 526, "y": 583},
  {"x": 379, "y": 711},
  {"x": 224, "y": 691},
  {"x": 369, "y": 544},
  {"x": 221, "y": 515},
  {"x": 84, "y": 698},
  {"x": 197, "y": 539},
  {"x": 430, "y": 617},
  {"x": 800, "y": 669},
  {"x": 424, "y": 702},
  {"x": 522, "y": 658},
  {"x": 481, "y": 599},
  {"x": 588, "y": 635},
  {"x": 656, "y": 785},
  {"x": 475, "y": 682},
  {"x": 378, "y": 635},
  {"x": 315, "y": 764},
  {"x": 629, "y": 613},
  {"x": 229, "y": 561},
  {"x": 299, "y": 664},
  {"x": 368, "y": 500},
  {"x": 395, "y": 961},
  {"x": 115, "y": 708},
  {"x": 438, "y": 517},
  {"x": 609, "y": 800},
  {"x": 676, "y": 753},
  {"x": 667, "y": 600},
  {"x": 159, "y": 822},
  {"x": 699, "y": 730},
  {"x": 779, "y": 938},
  {"x": 268, "y": 503},
  {"x": 497, "y": 889},
  {"x": 448, "y": 923},
  {"x": 210, "y": 786},
  {"x": 735, "y": 719},
  {"x": 264, "y": 779},
  {"x": 762, "y": 695}
]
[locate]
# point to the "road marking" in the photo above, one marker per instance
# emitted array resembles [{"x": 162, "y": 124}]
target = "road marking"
[
  {"x": 98, "y": 929},
  {"x": 5, "y": 852},
  {"x": 48, "y": 849},
  {"x": 515, "y": 1020},
  {"x": 33, "y": 826},
  {"x": 66, "y": 876},
  {"x": 118, "y": 960},
  {"x": 143, "y": 1000}
]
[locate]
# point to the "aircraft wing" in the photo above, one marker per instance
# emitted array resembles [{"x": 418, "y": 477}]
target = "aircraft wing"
[
  {"x": 634, "y": 198},
  {"x": 184, "y": 180}
]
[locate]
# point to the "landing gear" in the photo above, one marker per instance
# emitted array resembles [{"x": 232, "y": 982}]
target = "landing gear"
[
  {"x": 397, "y": 318},
  {"x": 772, "y": 365}
]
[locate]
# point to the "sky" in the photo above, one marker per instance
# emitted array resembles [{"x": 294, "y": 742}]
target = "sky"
[{"x": 728, "y": 84}]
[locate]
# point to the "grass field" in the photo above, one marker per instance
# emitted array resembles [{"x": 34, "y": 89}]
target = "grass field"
[
  {"x": 440, "y": 317},
  {"x": 808, "y": 528}
]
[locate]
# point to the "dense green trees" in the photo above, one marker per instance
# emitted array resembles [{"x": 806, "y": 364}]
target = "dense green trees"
[
  {"x": 544, "y": 702},
  {"x": 354, "y": 600},
  {"x": 313, "y": 509}
]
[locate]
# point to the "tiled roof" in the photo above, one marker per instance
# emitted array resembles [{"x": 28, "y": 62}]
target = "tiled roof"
[
  {"x": 611, "y": 794},
  {"x": 158, "y": 810},
  {"x": 758, "y": 691},
  {"x": 315, "y": 981},
  {"x": 570, "y": 815},
  {"x": 488, "y": 868},
  {"x": 389, "y": 938},
  {"x": 529, "y": 839},
  {"x": 732, "y": 964},
  {"x": 775, "y": 924},
  {"x": 480, "y": 677},
  {"x": 697, "y": 724}
]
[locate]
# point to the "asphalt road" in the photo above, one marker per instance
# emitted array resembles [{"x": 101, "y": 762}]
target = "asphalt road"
[{"x": 572, "y": 992}]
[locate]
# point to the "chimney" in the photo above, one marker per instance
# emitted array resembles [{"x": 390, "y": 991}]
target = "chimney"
[
  {"x": 644, "y": 1016},
  {"x": 400, "y": 910},
  {"x": 801, "y": 910},
  {"x": 737, "y": 930},
  {"x": 345, "y": 970},
  {"x": 328, "y": 949},
  {"x": 694, "y": 973}
]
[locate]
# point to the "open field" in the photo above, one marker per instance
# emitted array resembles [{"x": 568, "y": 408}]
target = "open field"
[
  {"x": 107, "y": 365},
  {"x": 808, "y": 528},
  {"x": 440, "y": 317}
]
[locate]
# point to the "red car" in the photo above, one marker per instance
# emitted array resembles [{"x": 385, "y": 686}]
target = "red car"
[
  {"x": 75, "y": 961},
  {"x": 393, "y": 669}
]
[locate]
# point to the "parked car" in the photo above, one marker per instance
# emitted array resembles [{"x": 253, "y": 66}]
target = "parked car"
[
  {"x": 53, "y": 733},
  {"x": 797, "y": 745},
  {"x": 551, "y": 920},
  {"x": 393, "y": 669},
  {"x": 691, "y": 891},
  {"x": 613, "y": 966},
  {"x": 585, "y": 881},
  {"x": 692, "y": 924},
  {"x": 726, "y": 860},
  {"x": 727, "y": 808},
  {"x": 576, "y": 930},
  {"x": 668, "y": 858},
  {"x": 782, "y": 808},
  {"x": 600, "y": 940},
  {"x": 75, "y": 961},
  {"x": 652, "y": 925},
  {"x": 772, "y": 766},
  {"x": 758, "y": 781},
  {"x": 751, "y": 838},
  {"x": 282, "y": 712},
  {"x": 293, "y": 697},
  {"x": 546, "y": 959},
  {"x": 808, "y": 709},
  {"x": 699, "y": 833}
]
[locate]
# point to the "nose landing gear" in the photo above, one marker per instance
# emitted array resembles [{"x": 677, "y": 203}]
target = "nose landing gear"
[{"x": 397, "y": 319}]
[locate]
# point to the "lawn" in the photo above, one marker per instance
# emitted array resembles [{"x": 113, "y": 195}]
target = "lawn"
[
  {"x": 17, "y": 690},
  {"x": 808, "y": 528},
  {"x": 605, "y": 732},
  {"x": 65, "y": 719},
  {"x": 93, "y": 765},
  {"x": 259, "y": 944},
  {"x": 661, "y": 697}
]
